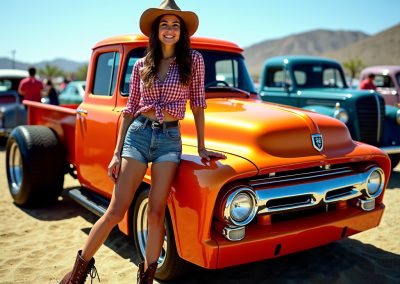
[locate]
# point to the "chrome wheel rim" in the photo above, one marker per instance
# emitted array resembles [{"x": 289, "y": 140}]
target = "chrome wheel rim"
[
  {"x": 15, "y": 169},
  {"x": 142, "y": 231}
]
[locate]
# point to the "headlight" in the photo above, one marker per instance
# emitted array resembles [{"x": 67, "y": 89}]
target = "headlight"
[
  {"x": 375, "y": 182},
  {"x": 240, "y": 207},
  {"x": 342, "y": 115},
  {"x": 398, "y": 116}
]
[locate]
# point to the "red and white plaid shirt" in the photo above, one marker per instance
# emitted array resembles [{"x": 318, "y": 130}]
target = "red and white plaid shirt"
[{"x": 169, "y": 95}]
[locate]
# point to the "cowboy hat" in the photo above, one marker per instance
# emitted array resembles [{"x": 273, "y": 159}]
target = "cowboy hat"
[{"x": 168, "y": 7}]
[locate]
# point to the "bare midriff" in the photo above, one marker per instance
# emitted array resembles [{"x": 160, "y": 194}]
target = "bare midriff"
[{"x": 152, "y": 115}]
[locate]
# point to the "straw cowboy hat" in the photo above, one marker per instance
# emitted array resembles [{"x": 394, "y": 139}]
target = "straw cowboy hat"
[{"x": 168, "y": 7}]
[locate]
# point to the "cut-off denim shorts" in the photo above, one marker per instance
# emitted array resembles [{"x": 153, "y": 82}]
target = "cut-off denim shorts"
[{"x": 146, "y": 144}]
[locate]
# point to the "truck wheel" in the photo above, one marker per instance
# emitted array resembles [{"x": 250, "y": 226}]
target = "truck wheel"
[
  {"x": 34, "y": 165},
  {"x": 395, "y": 159},
  {"x": 170, "y": 265}
]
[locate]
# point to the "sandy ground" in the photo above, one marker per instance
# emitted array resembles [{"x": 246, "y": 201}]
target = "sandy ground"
[{"x": 39, "y": 246}]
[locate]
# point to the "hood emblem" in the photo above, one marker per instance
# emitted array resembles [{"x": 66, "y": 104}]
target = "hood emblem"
[{"x": 317, "y": 141}]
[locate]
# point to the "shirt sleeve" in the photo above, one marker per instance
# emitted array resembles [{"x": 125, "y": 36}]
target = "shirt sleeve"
[
  {"x": 197, "y": 92},
  {"x": 134, "y": 92}
]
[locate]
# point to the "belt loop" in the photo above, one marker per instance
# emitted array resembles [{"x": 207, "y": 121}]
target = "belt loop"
[
  {"x": 145, "y": 122},
  {"x": 164, "y": 127}
]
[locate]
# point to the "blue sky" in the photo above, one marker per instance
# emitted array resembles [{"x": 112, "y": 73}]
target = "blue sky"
[{"x": 48, "y": 29}]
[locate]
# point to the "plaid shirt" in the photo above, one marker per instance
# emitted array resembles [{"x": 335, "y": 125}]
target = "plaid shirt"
[{"x": 169, "y": 95}]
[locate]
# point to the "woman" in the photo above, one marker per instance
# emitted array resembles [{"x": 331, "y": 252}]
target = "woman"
[{"x": 161, "y": 82}]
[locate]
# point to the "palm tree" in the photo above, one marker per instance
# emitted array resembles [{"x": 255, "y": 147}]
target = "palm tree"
[
  {"x": 354, "y": 66},
  {"x": 80, "y": 73},
  {"x": 51, "y": 71}
]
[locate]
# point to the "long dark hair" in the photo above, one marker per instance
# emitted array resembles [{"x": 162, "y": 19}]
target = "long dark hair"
[{"x": 154, "y": 55}]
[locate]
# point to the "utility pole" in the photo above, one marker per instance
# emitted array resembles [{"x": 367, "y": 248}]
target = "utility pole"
[{"x": 13, "y": 58}]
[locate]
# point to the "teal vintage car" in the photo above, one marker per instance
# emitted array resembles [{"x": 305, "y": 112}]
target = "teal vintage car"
[
  {"x": 73, "y": 93},
  {"x": 319, "y": 84}
]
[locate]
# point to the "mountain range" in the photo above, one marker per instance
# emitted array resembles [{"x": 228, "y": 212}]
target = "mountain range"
[{"x": 382, "y": 48}]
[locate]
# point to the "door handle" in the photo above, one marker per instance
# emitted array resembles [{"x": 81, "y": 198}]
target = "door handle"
[{"x": 82, "y": 112}]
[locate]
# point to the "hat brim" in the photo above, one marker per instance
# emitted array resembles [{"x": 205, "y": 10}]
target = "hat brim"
[{"x": 146, "y": 20}]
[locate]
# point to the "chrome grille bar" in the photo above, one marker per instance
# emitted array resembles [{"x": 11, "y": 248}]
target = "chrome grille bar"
[{"x": 300, "y": 176}]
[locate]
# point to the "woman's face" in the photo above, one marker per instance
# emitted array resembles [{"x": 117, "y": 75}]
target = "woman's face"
[{"x": 169, "y": 29}]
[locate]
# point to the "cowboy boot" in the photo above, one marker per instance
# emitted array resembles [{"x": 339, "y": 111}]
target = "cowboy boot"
[
  {"x": 80, "y": 271},
  {"x": 150, "y": 272},
  {"x": 140, "y": 273}
]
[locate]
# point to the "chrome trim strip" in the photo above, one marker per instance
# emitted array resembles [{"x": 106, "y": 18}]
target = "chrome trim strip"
[
  {"x": 316, "y": 191},
  {"x": 299, "y": 176},
  {"x": 390, "y": 149}
]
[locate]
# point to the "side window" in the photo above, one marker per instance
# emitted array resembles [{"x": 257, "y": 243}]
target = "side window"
[
  {"x": 300, "y": 77},
  {"x": 383, "y": 81},
  {"x": 276, "y": 78},
  {"x": 227, "y": 71},
  {"x": 331, "y": 78},
  {"x": 106, "y": 73},
  {"x": 133, "y": 56}
]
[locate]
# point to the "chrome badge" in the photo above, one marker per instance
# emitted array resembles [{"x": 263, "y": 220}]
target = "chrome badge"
[{"x": 317, "y": 141}]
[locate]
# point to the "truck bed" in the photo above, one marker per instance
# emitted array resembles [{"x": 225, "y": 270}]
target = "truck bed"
[{"x": 59, "y": 118}]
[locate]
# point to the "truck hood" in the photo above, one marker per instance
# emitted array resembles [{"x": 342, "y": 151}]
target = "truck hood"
[
  {"x": 333, "y": 93},
  {"x": 267, "y": 134}
]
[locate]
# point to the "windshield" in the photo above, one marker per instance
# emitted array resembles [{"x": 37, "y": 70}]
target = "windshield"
[
  {"x": 318, "y": 76},
  {"x": 223, "y": 69}
]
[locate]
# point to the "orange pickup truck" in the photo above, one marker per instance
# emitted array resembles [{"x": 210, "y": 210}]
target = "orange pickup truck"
[{"x": 292, "y": 180}]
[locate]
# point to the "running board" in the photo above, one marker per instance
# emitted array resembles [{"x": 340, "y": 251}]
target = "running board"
[{"x": 95, "y": 203}]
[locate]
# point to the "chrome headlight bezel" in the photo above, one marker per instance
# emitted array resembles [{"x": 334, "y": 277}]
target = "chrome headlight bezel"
[
  {"x": 229, "y": 202},
  {"x": 375, "y": 182},
  {"x": 342, "y": 115}
]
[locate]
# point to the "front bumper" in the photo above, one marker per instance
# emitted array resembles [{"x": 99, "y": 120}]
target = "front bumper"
[{"x": 273, "y": 240}]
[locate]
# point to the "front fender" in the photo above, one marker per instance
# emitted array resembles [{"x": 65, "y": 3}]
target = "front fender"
[{"x": 192, "y": 200}]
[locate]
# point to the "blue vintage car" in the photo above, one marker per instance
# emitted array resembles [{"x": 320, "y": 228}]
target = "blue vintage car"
[
  {"x": 319, "y": 84},
  {"x": 12, "y": 111}
]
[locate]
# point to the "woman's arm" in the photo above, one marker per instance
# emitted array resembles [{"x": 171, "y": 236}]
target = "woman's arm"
[{"x": 198, "y": 113}]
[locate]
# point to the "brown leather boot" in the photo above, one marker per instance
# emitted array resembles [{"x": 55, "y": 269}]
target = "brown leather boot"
[
  {"x": 150, "y": 272},
  {"x": 80, "y": 271},
  {"x": 140, "y": 273}
]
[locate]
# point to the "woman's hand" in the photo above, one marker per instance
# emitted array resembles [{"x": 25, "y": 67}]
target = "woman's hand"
[
  {"x": 113, "y": 167},
  {"x": 206, "y": 154}
]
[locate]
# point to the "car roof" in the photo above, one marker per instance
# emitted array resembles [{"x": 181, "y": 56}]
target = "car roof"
[
  {"x": 382, "y": 69},
  {"x": 293, "y": 59},
  {"x": 13, "y": 73},
  {"x": 196, "y": 42}
]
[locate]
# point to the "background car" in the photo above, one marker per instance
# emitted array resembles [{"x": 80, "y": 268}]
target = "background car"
[
  {"x": 73, "y": 93},
  {"x": 12, "y": 111},
  {"x": 387, "y": 82}
]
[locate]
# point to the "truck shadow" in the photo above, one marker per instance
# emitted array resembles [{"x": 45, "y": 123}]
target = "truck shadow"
[{"x": 346, "y": 261}]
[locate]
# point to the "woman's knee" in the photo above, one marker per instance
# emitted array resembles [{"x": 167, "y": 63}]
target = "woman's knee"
[
  {"x": 113, "y": 217},
  {"x": 155, "y": 216}
]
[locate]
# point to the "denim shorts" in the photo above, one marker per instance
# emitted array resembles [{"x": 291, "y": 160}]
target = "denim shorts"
[{"x": 146, "y": 144}]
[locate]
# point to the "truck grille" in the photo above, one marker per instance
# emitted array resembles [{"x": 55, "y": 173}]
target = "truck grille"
[
  {"x": 299, "y": 190},
  {"x": 371, "y": 114}
]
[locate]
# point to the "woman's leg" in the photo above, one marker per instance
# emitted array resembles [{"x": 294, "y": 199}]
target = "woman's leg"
[
  {"x": 162, "y": 175},
  {"x": 130, "y": 176}
]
